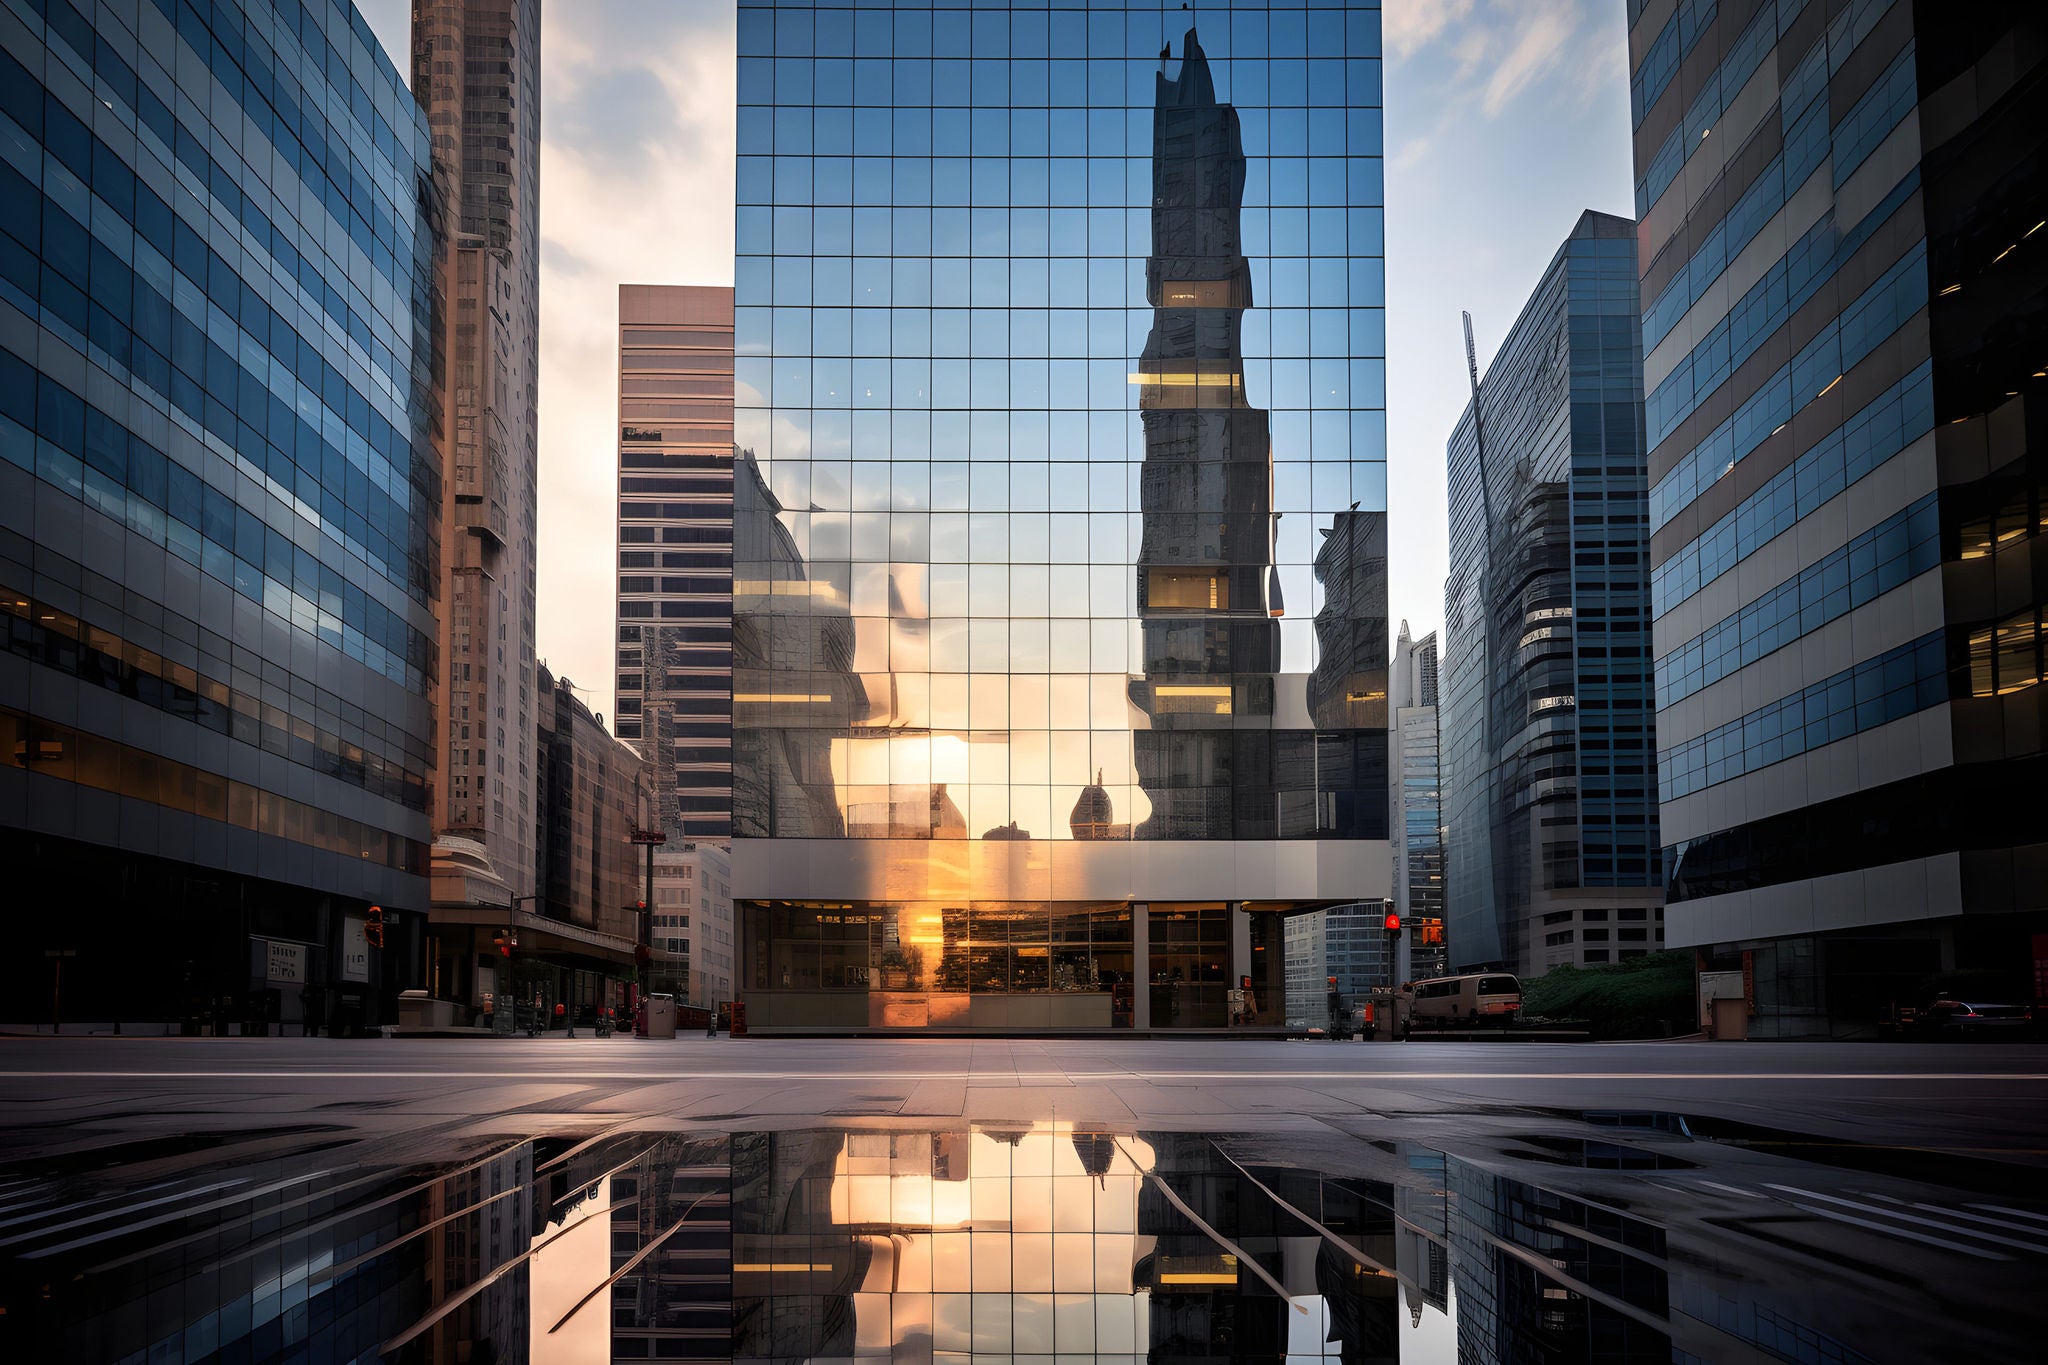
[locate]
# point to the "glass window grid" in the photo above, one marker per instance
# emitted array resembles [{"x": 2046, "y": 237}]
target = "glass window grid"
[
  {"x": 1809, "y": 139},
  {"x": 1862, "y": 444},
  {"x": 348, "y": 452},
  {"x": 1737, "y": 66},
  {"x": 98, "y": 763},
  {"x": 1840, "y": 345},
  {"x": 1668, "y": 51},
  {"x": 353, "y": 752},
  {"x": 1760, "y": 313},
  {"x": 1871, "y": 119},
  {"x": 977, "y": 947},
  {"x": 237, "y": 345},
  {"x": 1895, "y": 551},
  {"x": 1040, "y": 312},
  {"x": 2006, "y": 657},
  {"x": 1875, "y": 692},
  {"x": 1611, "y": 713}
]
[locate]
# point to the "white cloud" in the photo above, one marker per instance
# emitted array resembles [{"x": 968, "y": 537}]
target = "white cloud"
[
  {"x": 631, "y": 193},
  {"x": 1536, "y": 49},
  {"x": 1406, "y": 26}
]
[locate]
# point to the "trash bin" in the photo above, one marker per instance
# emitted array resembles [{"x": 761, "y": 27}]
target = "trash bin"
[{"x": 661, "y": 1016}]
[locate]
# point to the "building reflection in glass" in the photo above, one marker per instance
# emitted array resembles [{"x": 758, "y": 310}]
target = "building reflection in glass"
[
  {"x": 1208, "y": 592},
  {"x": 1029, "y": 1238},
  {"x": 1066, "y": 417},
  {"x": 1049, "y": 402},
  {"x": 792, "y": 671}
]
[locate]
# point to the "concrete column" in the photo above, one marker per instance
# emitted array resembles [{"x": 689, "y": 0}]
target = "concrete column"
[
  {"x": 1240, "y": 943},
  {"x": 1141, "y": 965}
]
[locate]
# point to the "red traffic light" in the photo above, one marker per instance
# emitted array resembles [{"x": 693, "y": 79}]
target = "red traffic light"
[
  {"x": 1393, "y": 923},
  {"x": 373, "y": 930}
]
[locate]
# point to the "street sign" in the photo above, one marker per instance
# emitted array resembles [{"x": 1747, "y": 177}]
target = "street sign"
[
  {"x": 355, "y": 949},
  {"x": 285, "y": 963},
  {"x": 60, "y": 952},
  {"x": 649, "y": 836}
]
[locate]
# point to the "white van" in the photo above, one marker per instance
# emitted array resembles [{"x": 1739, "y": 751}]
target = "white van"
[{"x": 1477, "y": 997}]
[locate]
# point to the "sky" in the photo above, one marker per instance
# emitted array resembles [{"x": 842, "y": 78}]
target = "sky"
[{"x": 1505, "y": 119}]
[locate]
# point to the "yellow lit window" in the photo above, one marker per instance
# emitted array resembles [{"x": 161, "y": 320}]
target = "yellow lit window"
[{"x": 1187, "y": 590}]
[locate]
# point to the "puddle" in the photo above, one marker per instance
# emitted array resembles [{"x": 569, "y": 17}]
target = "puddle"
[{"x": 1024, "y": 1243}]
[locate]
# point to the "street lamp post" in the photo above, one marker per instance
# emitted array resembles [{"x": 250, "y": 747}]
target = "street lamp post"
[
  {"x": 511, "y": 947},
  {"x": 643, "y": 924}
]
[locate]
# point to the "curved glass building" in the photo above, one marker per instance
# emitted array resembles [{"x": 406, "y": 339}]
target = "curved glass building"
[{"x": 219, "y": 506}]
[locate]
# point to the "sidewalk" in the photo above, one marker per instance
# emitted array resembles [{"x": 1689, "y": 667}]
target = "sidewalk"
[{"x": 86, "y": 1028}]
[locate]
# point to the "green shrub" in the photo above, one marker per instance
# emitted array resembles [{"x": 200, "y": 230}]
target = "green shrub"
[{"x": 1652, "y": 996}]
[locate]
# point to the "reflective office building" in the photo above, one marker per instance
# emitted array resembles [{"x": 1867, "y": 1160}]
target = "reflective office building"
[
  {"x": 218, "y": 503},
  {"x": 1059, "y": 633},
  {"x": 1843, "y": 272},
  {"x": 1418, "y": 808},
  {"x": 1548, "y": 756}
]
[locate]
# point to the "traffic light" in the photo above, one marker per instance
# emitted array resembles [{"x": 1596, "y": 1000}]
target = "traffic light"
[
  {"x": 1393, "y": 925},
  {"x": 1244, "y": 983},
  {"x": 504, "y": 944},
  {"x": 373, "y": 931}
]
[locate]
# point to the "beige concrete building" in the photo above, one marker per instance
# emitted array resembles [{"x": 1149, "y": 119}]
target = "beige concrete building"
[
  {"x": 675, "y": 548},
  {"x": 476, "y": 72},
  {"x": 692, "y": 929}
]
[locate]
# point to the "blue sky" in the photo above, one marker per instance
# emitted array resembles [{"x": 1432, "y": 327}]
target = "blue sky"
[{"x": 1505, "y": 119}]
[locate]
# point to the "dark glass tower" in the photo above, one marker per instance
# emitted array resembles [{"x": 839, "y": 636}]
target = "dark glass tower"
[
  {"x": 1207, "y": 590},
  {"x": 218, "y": 513},
  {"x": 1548, "y": 744},
  {"x": 1845, "y": 316}
]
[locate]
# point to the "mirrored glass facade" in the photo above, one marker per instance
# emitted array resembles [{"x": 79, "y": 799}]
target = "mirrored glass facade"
[
  {"x": 218, "y": 507},
  {"x": 1060, "y": 415}
]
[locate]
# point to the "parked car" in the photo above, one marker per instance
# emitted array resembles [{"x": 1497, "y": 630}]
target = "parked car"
[
  {"x": 1974, "y": 1020},
  {"x": 1471, "y": 999}
]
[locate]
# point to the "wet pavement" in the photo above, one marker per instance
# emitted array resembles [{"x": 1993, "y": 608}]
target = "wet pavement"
[{"x": 1524, "y": 1234}]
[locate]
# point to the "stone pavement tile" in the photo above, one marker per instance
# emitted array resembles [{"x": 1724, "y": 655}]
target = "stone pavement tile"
[
  {"x": 1041, "y": 1104},
  {"x": 936, "y": 1097},
  {"x": 1182, "y": 1103}
]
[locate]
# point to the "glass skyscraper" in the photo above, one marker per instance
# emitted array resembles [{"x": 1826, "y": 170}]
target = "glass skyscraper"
[
  {"x": 1548, "y": 758},
  {"x": 218, "y": 511},
  {"x": 1059, "y": 634},
  {"x": 1843, "y": 271},
  {"x": 1416, "y": 785}
]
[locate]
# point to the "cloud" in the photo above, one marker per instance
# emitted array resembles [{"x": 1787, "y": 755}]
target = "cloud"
[
  {"x": 1537, "y": 49},
  {"x": 1406, "y": 26},
  {"x": 632, "y": 116},
  {"x": 1511, "y": 46},
  {"x": 636, "y": 188}
]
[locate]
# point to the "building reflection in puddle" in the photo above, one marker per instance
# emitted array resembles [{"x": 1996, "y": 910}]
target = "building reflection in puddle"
[{"x": 1020, "y": 1243}]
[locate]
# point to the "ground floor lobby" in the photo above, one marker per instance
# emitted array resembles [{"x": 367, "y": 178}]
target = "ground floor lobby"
[{"x": 1009, "y": 966}]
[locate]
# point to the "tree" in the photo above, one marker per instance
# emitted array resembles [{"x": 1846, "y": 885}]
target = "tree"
[{"x": 1652, "y": 996}]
